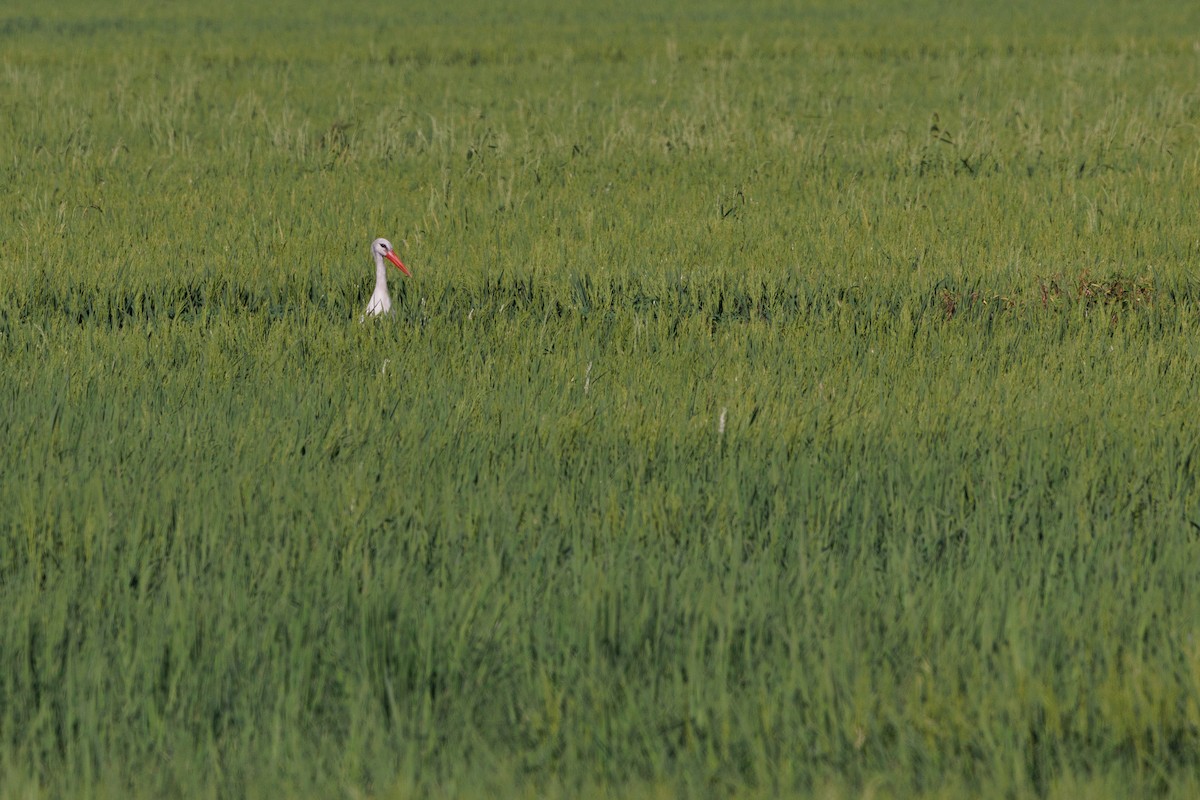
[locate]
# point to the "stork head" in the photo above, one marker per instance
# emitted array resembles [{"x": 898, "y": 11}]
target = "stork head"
[{"x": 382, "y": 248}]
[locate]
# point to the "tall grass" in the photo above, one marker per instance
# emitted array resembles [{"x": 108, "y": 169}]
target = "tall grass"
[{"x": 786, "y": 401}]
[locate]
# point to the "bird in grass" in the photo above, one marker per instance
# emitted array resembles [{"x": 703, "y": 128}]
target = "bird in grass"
[{"x": 381, "y": 301}]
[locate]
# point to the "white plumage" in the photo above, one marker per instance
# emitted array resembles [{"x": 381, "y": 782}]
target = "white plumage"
[{"x": 381, "y": 301}]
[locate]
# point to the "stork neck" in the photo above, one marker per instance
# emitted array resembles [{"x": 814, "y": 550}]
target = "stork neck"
[{"x": 380, "y": 273}]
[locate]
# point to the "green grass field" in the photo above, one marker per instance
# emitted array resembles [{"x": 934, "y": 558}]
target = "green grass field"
[{"x": 789, "y": 399}]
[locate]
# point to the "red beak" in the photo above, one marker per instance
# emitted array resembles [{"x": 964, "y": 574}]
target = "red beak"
[{"x": 390, "y": 256}]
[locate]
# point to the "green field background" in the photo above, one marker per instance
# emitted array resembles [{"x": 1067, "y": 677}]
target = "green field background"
[{"x": 788, "y": 400}]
